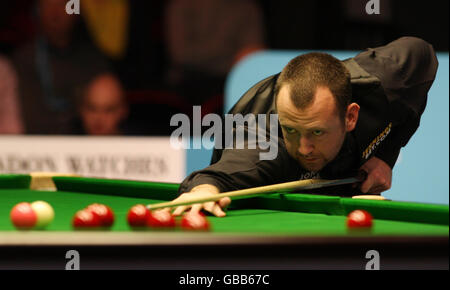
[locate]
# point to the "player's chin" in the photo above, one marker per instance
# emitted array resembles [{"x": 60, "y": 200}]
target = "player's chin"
[{"x": 312, "y": 166}]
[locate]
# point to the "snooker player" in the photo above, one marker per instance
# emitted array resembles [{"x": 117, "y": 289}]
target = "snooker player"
[{"x": 336, "y": 117}]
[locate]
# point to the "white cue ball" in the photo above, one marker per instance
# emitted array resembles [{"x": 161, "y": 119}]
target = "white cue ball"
[{"x": 44, "y": 212}]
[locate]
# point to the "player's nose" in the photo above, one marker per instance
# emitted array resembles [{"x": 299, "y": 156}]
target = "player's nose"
[{"x": 305, "y": 146}]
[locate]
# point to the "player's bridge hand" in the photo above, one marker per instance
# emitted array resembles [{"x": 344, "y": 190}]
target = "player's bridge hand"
[
  {"x": 379, "y": 176},
  {"x": 216, "y": 208}
]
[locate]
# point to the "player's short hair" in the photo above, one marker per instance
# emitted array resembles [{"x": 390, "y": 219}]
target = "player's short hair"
[{"x": 305, "y": 73}]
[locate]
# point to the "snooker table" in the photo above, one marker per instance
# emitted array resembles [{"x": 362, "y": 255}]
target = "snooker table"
[{"x": 280, "y": 231}]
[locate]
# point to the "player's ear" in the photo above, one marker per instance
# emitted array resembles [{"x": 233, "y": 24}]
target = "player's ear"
[{"x": 351, "y": 117}]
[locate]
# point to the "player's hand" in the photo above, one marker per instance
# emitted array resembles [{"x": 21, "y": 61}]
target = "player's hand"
[
  {"x": 379, "y": 176},
  {"x": 216, "y": 208}
]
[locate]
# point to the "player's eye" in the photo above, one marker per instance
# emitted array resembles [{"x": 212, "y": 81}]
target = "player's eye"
[
  {"x": 290, "y": 130},
  {"x": 317, "y": 132}
]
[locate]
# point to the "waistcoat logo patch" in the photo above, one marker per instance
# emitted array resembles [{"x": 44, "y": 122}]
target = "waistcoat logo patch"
[{"x": 374, "y": 144}]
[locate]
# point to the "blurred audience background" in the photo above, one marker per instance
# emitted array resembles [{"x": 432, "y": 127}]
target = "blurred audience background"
[
  {"x": 10, "y": 115},
  {"x": 51, "y": 67},
  {"x": 204, "y": 39},
  {"x": 124, "y": 67},
  {"x": 103, "y": 108}
]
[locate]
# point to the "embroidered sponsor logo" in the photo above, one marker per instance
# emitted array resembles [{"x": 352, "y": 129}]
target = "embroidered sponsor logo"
[
  {"x": 310, "y": 175},
  {"x": 374, "y": 144}
]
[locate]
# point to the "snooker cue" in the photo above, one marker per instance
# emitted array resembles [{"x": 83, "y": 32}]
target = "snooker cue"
[{"x": 274, "y": 188}]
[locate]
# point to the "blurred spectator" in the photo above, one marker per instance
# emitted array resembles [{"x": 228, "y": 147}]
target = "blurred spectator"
[
  {"x": 129, "y": 33},
  {"x": 108, "y": 23},
  {"x": 10, "y": 119},
  {"x": 52, "y": 67},
  {"x": 205, "y": 38},
  {"x": 103, "y": 108}
]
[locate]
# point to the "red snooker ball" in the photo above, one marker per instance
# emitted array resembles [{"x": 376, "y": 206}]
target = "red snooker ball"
[
  {"x": 161, "y": 219},
  {"x": 194, "y": 221},
  {"x": 23, "y": 216},
  {"x": 138, "y": 216},
  {"x": 359, "y": 219},
  {"x": 104, "y": 213},
  {"x": 86, "y": 219}
]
